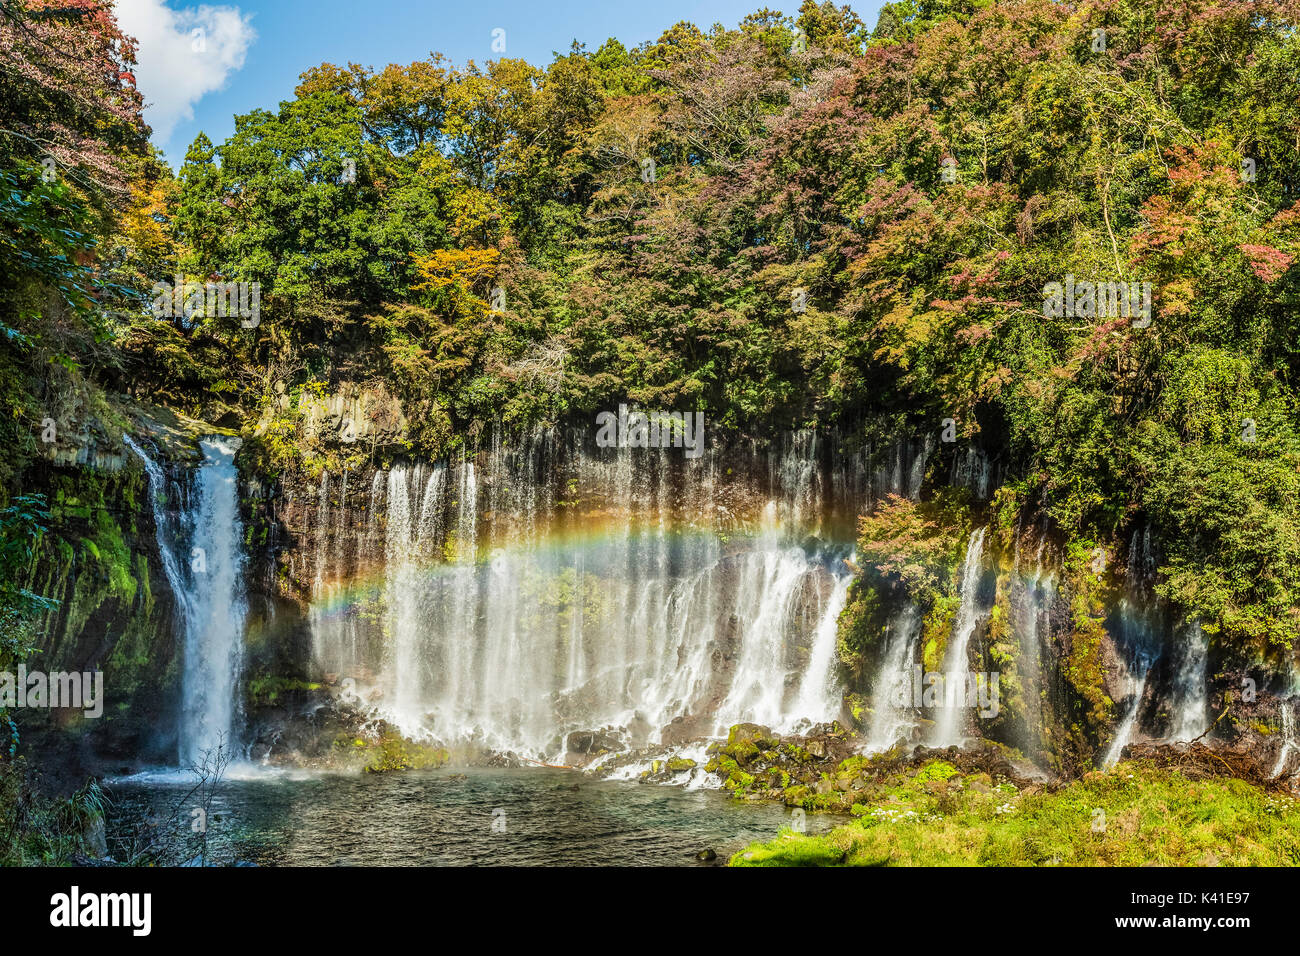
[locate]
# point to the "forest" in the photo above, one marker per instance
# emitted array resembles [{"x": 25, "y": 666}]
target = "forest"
[{"x": 1059, "y": 233}]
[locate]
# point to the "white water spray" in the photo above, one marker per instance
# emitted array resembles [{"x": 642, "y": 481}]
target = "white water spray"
[
  {"x": 889, "y": 720},
  {"x": 949, "y": 729},
  {"x": 504, "y": 622},
  {"x": 1135, "y": 686},
  {"x": 208, "y": 586},
  {"x": 1189, "y": 706}
]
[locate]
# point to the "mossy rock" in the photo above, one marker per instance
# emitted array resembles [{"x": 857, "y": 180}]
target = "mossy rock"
[
  {"x": 394, "y": 752},
  {"x": 937, "y": 770},
  {"x": 743, "y": 752},
  {"x": 756, "y": 735},
  {"x": 795, "y": 752},
  {"x": 739, "y": 781}
]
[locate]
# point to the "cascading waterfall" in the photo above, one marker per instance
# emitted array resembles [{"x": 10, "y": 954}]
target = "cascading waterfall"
[
  {"x": 1135, "y": 685},
  {"x": 209, "y": 594},
  {"x": 1286, "y": 709},
  {"x": 949, "y": 729},
  {"x": 891, "y": 717},
  {"x": 1289, "y": 744},
  {"x": 1138, "y": 627},
  {"x": 819, "y": 693},
  {"x": 1035, "y": 598},
  {"x": 971, "y": 468},
  {"x": 867, "y": 476},
  {"x": 163, "y": 532},
  {"x": 1189, "y": 705},
  {"x": 509, "y": 621},
  {"x": 767, "y": 582}
]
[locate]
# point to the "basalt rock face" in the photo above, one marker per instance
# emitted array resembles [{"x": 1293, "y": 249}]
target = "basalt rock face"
[
  {"x": 1087, "y": 659},
  {"x": 547, "y": 599},
  {"x": 115, "y": 614},
  {"x": 607, "y": 586}
]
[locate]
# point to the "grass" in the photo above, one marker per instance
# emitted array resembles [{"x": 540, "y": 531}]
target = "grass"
[
  {"x": 36, "y": 831},
  {"x": 1127, "y": 816}
]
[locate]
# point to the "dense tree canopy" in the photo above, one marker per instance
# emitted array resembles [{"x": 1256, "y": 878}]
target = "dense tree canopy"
[{"x": 796, "y": 222}]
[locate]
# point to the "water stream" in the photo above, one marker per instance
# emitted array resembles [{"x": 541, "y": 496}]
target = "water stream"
[
  {"x": 950, "y": 727},
  {"x": 199, "y": 535}
]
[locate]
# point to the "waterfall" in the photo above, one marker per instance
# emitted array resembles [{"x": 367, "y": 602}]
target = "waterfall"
[
  {"x": 766, "y": 586},
  {"x": 1138, "y": 624},
  {"x": 542, "y": 589},
  {"x": 892, "y": 712},
  {"x": 162, "y": 528},
  {"x": 1135, "y": 686},
  {"x": 862, "y": 479},
  {"x": 1286, "y": 707},
  {"x": 209, "y": 593},
  {"x": 820, "y": 696},
  {"x": 948, "y": 729},
  {"x": 797, "y": 477},
  {"x": 1189, "y": 706},
  {"x": 401, "y": 595},
  {"x": 1289, "y": 745},
  {"x": 972, "y": 469},
  {"x": 1036, "y": 595}
]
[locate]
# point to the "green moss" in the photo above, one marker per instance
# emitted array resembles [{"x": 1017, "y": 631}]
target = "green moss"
[
  {"x": 265, "y": 689},
  {"x": 394, "y": 752},
  {"x": 110, "y": 550},
  {"x": 738, "y": 780},
  {"x": 1131, "y": 815},
  {"x": 936, "y": 770},
  {"x": 853, "y": 766},
  {"x": 795, "y": 752},
  {"x": 1083, "y": 668},
  {"x": 790, "y": 849}
]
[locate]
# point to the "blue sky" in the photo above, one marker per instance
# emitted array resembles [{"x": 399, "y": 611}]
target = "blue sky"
[{"x": 250, "y": 52}]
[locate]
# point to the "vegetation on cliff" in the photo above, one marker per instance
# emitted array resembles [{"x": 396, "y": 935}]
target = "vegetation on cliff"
[{"x": 798, "y": 221}]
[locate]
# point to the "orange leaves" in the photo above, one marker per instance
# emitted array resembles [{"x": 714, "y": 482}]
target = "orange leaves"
[{"x": 461, "y": 268}]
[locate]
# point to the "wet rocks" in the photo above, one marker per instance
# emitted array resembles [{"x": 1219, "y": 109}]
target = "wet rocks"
[
  {"x": 684, "y": 729},
  {"x": 583, "y": 745},
  {"x": 755, "y": 762}
]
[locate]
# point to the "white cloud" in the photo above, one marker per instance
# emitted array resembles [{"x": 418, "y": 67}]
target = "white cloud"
[{"x": 171, "y": 73}]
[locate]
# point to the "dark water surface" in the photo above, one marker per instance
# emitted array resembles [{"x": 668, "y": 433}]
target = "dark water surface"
[{"x": 542, "y": 817}]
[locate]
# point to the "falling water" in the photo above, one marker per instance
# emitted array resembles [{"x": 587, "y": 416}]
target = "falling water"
[
  {"x": 1138, "y": 624},
  {"x": 1035, "y": 599},
  {"x": 509, "y": 621},
  {"x": 1289, "y": 745},
  {"x": 162, "y": 527},
  {"x": 948, "y": 729},
  {"x": 820, "y": 695},
  {"x": 209, "y": 593},
  {"x": 890, "y": 719},
  {"x": 1286, "y": 707},
  {"x": 866, "y": 477},
  {"x": 971, "y": 468},
  {"x": 1135, "y": 685},
  {"x": 1189, "y": 706}
]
